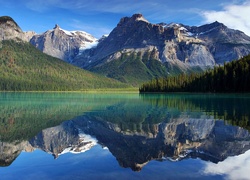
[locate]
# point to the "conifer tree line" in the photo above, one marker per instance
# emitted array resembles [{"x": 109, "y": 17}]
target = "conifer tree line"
[
  {"x": 25, "y": 68},
  {"x": 231, "y": 77}
]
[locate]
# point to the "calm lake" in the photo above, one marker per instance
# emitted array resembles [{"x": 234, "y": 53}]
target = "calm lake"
[{"x": 124, "y": 136}]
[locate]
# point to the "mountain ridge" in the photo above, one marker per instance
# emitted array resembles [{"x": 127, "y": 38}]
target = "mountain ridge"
[
  {"x": 173, "y": 49},
  {"x": 137, "y": 51},
  {"x": 162, "y": 34}
]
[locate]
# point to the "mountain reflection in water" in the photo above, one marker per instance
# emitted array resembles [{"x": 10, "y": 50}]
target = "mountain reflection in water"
[{"x": 148, "y": 127}]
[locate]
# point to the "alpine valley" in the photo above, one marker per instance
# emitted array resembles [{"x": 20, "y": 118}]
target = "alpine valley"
[{"x": 137, "y": 50}]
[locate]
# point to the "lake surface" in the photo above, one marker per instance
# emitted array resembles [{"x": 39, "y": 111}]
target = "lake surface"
[{"x": 124, "y": 136}]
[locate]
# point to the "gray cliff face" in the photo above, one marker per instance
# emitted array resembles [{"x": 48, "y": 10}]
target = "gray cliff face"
[
  {"x": 65, "y": 45},
  {"x": 224, "y": 44},
  {"x": 175, "y": 43},
  {"x": 10, "y": 30}
]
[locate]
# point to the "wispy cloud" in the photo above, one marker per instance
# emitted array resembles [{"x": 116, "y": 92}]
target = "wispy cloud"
[
  {"x": 235, "y": 16},
  {"x": 96, "y": 29},
  {"x": 110, "y": 6},
  {"x": 118, "y": 8},
  {"x": 233, "y": 13},
  {"x": 40, "y": 5}
]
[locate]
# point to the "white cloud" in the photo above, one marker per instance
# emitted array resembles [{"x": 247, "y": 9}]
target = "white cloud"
[
  {"x": 234, "y": 13},
  {"x": 40, "y": 5},
  {"x": 236, "y": 167},
  {"x": 233, "y": 16}
]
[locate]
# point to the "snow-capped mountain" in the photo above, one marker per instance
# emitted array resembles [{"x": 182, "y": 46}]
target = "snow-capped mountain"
[
  {"x": 63, "y": 44},
  {"x": 163, "y": 48},
  {"x": 174, "y": 43},
  {"x": 137, "y": 50}
]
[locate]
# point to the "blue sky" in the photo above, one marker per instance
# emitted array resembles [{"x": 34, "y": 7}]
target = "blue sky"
[{"x": 99, "y": 17}]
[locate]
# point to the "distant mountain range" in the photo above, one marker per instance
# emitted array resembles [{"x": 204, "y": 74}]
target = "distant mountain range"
[{"x": 137, "y": 50}]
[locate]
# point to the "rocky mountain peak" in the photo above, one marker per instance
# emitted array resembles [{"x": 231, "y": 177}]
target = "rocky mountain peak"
[
  {"x": 9, "y": 29},
  {"x": 9, "y": 23},
  {"x": 216, "y": 23},
  {"x": 63, "y": 44},
  {"x": 139, "y": 17},
  {"x": 135, "y": 16},
  {"x": 133, "y": 19},
  {"x": 56, "y": 26},
  {"x": 174, "y": 47},
  {"x": 212, "y": 26}
]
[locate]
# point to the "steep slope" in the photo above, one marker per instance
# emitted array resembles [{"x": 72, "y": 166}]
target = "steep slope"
[
  {"x": 224, "y": 44},
  {"x": 23, "y": 67},
  {"x": 137, "y": 48},
  {"x": 65, "y": 45}
]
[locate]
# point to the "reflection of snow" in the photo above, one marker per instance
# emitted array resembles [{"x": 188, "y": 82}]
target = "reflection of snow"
[
  {"x": 236, "y": 167},
  {"x": 86, "y": 143}
]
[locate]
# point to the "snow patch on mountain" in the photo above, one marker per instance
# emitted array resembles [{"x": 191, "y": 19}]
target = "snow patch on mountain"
[
  {"x": 69, "y": 33},
  {"x": 182, "y": 28},
  {"x": 87, "y": 36},
  {"x": 88, "y": 40},
  {"x": 87, "y": 45}
]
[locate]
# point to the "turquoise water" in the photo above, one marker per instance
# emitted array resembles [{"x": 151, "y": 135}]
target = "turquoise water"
[{"x": 124, "y": 136}]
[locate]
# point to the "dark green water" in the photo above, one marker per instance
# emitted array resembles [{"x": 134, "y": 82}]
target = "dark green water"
[{"x": 124, "y": 136}]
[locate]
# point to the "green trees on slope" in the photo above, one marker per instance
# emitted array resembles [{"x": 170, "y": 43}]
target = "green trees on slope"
[
  {"x": 232, "y": 77},
  {"x": 23, "y": 68}
]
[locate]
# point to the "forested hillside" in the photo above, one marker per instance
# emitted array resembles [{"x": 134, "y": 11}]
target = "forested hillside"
[
  {"x": 232, "y": 77},
  {"x": 23, "y": 68}
]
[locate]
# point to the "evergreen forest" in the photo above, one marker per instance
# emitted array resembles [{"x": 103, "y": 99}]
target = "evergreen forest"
[
  {"x": 24, "y": 68},
  {"x": 232, "y": 77}
]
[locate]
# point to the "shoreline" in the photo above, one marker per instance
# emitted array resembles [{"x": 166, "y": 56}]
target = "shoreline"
[{"x": 105, "y": 90}]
